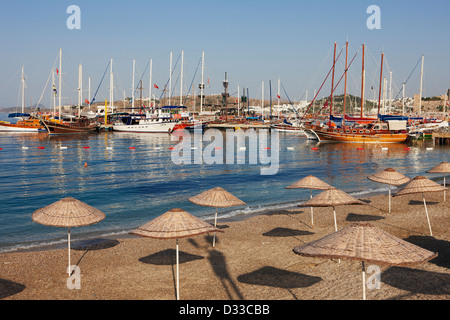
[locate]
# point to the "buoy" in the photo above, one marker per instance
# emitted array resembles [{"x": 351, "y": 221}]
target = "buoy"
[
  {"x": 132, "y": 148},
  {"x": 85, "y": 165},
  {"x": 171, "y": 148},
  {"x": 407, "y": 149},
  {"x": 86, "y": 147},
  {"x": 384, "y": 148},
  {"x": 315, "y": 149},
  {"x": 360, "y": 148},
  {"x": 1, "y": 149},
  {"x": 290, "y": 148},
  {"x": 41, "y": 148},
  {"x": 109, "y": 148},
  {"x": 429, "y": 148},
  {"x": 157, "y": 148},
  {"x": 25, "y": 148},
  {"x": 63, "y": 148}
]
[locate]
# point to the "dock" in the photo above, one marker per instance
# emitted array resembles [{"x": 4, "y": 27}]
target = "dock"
[
  {"x": 441, "y": 138},
  {"x": 106, "y": 127}
]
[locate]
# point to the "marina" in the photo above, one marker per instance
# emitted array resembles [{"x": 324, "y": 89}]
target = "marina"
[{"x": 225, "y": 152}]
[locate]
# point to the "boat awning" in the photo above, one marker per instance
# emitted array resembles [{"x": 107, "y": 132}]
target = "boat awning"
[
  {"x": 173, "y": 107},
  {"x": 387, "y": 117},
  {"x": 18, "y": 115}
]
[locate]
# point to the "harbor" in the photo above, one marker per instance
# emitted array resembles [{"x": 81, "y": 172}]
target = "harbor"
[{"x": 225, "y": 159}]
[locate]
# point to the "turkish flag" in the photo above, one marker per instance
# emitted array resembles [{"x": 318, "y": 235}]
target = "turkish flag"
[
  {"x": 278, "y": 96},
  {"x": 86, "y": 100},
  {"x": 156, "y": 87}
]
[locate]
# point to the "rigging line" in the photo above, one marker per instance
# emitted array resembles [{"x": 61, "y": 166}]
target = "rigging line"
[
  {"x": 288, "y": 98},
  {"x": 193, "y": 78},
  {"x": 171, "y": 74},
  {"x": 93, "y": 99},
  {"x": 409, "y": 76},
  {"x": 326, "y": 102},
  {"x": 331, "y": 69},
  {"x": 53, "y": 68}
]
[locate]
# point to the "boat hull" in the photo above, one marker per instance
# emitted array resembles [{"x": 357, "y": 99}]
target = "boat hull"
[
  {"x": 163, "y": 127},
  {"x": 54, "y": 128},
  {"x": 33, "y": 126},
  {"x": 373, "y": 137}
]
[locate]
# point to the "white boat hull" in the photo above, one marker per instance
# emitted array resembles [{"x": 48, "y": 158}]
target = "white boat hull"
[
  {"x": 162, "y": 127},
  {"x": 17, "y": 129}
]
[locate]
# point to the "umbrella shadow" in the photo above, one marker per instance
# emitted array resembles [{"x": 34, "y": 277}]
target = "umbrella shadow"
[
  {"x": 168, "y": 257},
  {"x": 362, "y": 217},
  {"x": 219, "y": 266},
  {"x": 417, "y": 281},
  {"x": 286, "y": 232},
  {"x": 278, "y": 278},
  {"x": 92, "y": 245},
  {"x": 442, "y": 247},
  {"x": 418, "y": 203},
  {"x": 9, "y": 288}
]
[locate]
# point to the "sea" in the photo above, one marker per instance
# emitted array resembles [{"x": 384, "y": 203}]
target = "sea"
[{"x": 133, "y": 178}]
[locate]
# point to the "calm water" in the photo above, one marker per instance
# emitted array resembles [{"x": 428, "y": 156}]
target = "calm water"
[{"x": 134, "y": 186}]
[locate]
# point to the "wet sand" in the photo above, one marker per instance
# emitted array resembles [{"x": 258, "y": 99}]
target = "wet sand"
[{"x": 252, "y": 260}]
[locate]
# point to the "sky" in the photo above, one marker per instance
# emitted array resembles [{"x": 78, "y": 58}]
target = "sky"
[{"x": 257, "y": 43}]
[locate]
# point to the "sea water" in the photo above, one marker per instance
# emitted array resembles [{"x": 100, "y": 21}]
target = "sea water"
[{"x": 132, "y": 179}]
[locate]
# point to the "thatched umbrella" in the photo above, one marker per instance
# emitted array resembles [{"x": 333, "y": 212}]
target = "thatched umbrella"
[
  {"x": 68, "y": 213},
  {"x": 218, "y": 198},
  {"x": 310, "y": 182},
  {"x": 443, "y": 167},
  {"x": 366, "y": 243},
  {"x": 174, "y": 224},
  {"x": 390, "y": 177},
  {"x": 421, "y": 185},
  {"x": 331, "y": 198}
]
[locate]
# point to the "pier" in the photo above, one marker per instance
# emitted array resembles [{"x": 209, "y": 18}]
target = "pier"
[{"x": 441, "y": 138}]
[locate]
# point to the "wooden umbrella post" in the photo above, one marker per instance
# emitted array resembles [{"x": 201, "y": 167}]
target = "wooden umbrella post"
[
  {"x": 215, "y": 225},
  {"x": 68, "y": 246},
  {"x": 312, "y": 210}
]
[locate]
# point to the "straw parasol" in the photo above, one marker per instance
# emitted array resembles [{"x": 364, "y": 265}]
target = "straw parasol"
[
  {"x": 443, "y": 167},
  {"x": 174, "y": 224},
  {"x": 68, "y": 213},
  {"x": 310, "y": 182},
  {"x": 390, "y": 177},
  {"x": 422, "y": 184},
  {"x": 331, "y": 198},
  {"x": 366, "y": 243},
  {"x": 218, "y": 198}
]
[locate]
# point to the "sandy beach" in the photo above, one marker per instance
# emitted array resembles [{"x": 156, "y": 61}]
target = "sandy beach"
[{"x": 253, "y": 260}]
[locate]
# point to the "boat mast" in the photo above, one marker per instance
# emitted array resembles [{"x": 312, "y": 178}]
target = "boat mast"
[
  {"x": 363, "y": 80},
  {"x": 80, "y": 88},
  {"x": 421, "y": 86},
  {"x": 345, "y": 86},
  {"x": 23, "y": 92},
  {"x": 381, "y": 80},
  {"x": 202, "y": 86},
  {"x": 150, "y": 85},
  {"x": 54, "y": 94},
  {"x": 332, "y": 80},
  {"x": 60, "y": 83},
  {"x": 111, "y": 88},
  {"x": 132, "y": 89},
  {"x": 170, "y": 77},
  {"x": 181, "y": 86}
]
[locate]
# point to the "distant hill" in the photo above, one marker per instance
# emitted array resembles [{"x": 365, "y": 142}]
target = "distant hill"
[{"x": 27, "y": 108}]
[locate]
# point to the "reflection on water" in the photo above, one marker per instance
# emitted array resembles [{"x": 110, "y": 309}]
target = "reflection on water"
[{"x": 132, "y": 186}]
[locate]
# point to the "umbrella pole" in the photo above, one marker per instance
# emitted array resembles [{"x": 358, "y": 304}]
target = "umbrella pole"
[
  {"x": 335, "y": 222},
  {"x": 389, "y": 198},
  {"x": 312, "y": 211},
  {"x": 426, "y": 211},
  {"x": 215, "y": 224},
  {"x": 444, "y": 187},
  {"x": 68, "y": 246},
  {"x": 178, "y": 275},
  {"x": 364, "y": 280}
]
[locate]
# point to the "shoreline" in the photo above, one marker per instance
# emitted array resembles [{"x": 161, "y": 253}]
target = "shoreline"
[
  {"x": 252, "y": 260},
  {"x": 55, "y": 244}
]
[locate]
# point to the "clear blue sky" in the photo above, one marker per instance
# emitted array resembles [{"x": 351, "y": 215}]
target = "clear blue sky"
[{"x": 253, "y": 41}]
